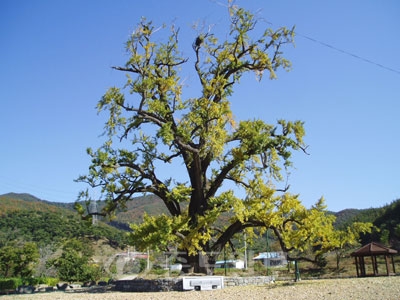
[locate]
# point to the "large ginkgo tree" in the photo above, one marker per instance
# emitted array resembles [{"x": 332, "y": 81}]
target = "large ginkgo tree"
[{"x": 217, "y": 176}]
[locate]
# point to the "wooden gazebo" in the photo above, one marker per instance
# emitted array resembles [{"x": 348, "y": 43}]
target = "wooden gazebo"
[{"x": 373, "y": 250}]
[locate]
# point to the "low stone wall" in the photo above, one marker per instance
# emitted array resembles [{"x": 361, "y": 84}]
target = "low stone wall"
[
  {"x": 147, "y": 285},
  {"x": 259, "y": 280},
  {"x": 175, "y": 284}
]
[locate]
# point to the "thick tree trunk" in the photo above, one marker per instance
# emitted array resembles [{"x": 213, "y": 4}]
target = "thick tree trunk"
[{"x": 197, "y": 264}]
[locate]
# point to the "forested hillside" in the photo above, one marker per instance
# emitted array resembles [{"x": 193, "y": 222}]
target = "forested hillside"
[
  {"x": 27, "y": 217},
  {"x": 136, "y": 208},
  {"x": 25, "y": 202},
  {"x": 133, "y": 213},
  {"x": 45, "y": 228},
  {"x": 386, "y": 220}
]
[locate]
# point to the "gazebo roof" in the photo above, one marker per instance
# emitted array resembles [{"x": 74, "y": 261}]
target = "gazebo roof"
[{"x": 373, "y": 249}]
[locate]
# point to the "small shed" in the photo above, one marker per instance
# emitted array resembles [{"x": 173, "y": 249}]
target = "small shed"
[{"x": 373, "y": 250}]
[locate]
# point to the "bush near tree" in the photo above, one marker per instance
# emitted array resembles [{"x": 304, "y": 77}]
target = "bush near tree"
[
  {"x": 74, "y": 263},
  {"x": 18, "y": 260}
]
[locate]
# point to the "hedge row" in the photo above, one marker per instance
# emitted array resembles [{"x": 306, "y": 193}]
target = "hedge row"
[{"x": 7, "y": 284}]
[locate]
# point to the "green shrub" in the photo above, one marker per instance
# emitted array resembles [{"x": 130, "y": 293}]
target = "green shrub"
[
  {"x": 50, "y": 281},
  {"x": 142, "y": 265},
  {"x": 7, "y": 284},
  {"x": 74, "y": 263},
  {"x": 158, "y": 270},
  {"x": 32, "y": 281},
  {"x": 175, "y": 273}
]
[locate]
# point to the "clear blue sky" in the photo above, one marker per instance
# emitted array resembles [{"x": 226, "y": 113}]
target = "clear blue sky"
[{"x": 56, "y": 59}]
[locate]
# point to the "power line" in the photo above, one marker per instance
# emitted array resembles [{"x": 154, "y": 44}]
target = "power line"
[{"x": 349, "y": 53}]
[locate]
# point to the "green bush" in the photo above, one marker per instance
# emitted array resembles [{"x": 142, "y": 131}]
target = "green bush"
[
  {"x": 32, "y": 281},
  {"x": 74, "y": 263},
  {"x": 158, "y": 270},
  {"x": 7, "y": 284},
  {"x": 142, "y": 265},
  {"x": 50, "y": 281},
  {"x": 18, "y": 260}
]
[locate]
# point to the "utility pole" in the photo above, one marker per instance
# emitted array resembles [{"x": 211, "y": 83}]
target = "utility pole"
[
  {"x": 296, "y": 271},
  {"x": 245, "y": 251},
  {"x": 268, "y": 253},
  {"x": 148, "y": 259},
  {"x": 225, "y": 258}
]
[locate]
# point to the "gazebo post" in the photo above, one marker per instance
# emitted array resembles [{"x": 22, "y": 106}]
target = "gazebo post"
[
  {"x": 356, "y": 261},
  {"x": 375, "y": 265},
  {"x": 362, "y": 266},
  {"x": 394, "y": 270},
  {"x": 387, "y": 265}
]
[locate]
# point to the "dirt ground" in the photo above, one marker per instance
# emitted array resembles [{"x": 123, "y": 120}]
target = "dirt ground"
[{"x": 382, "y": 288}]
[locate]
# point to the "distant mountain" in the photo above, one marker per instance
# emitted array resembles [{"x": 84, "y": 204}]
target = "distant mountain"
[
  {"x": 386, "y": 221},
  {"x": 345, "y": 216},
  {"x": 13, "y": 202},
  {"x": 385, "y": 218},
  {"x": 135, "y": 209},
  {"x": 22, "y": 196},
  {"x": 152, "y": 205},
  {"x": 24, "y": 217}
]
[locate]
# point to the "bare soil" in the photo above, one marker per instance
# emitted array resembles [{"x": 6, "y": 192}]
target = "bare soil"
[{"x": 382, "y": 288}]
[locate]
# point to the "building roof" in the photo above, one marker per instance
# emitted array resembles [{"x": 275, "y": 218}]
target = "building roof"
[
  {"x": 218, "y": 262},
  {"x": 270, "y": 255},
  {"x": 373, "y": 249}
]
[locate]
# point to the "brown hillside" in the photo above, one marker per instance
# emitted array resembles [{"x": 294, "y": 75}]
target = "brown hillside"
[
  {"x": 24, "y": 202},
  {"x": 136, "y": 208}
]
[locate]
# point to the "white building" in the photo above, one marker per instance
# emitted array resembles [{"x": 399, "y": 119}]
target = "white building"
[
  {"x": 236, "y": 264},
  {"x": 272, "y": 259}
]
